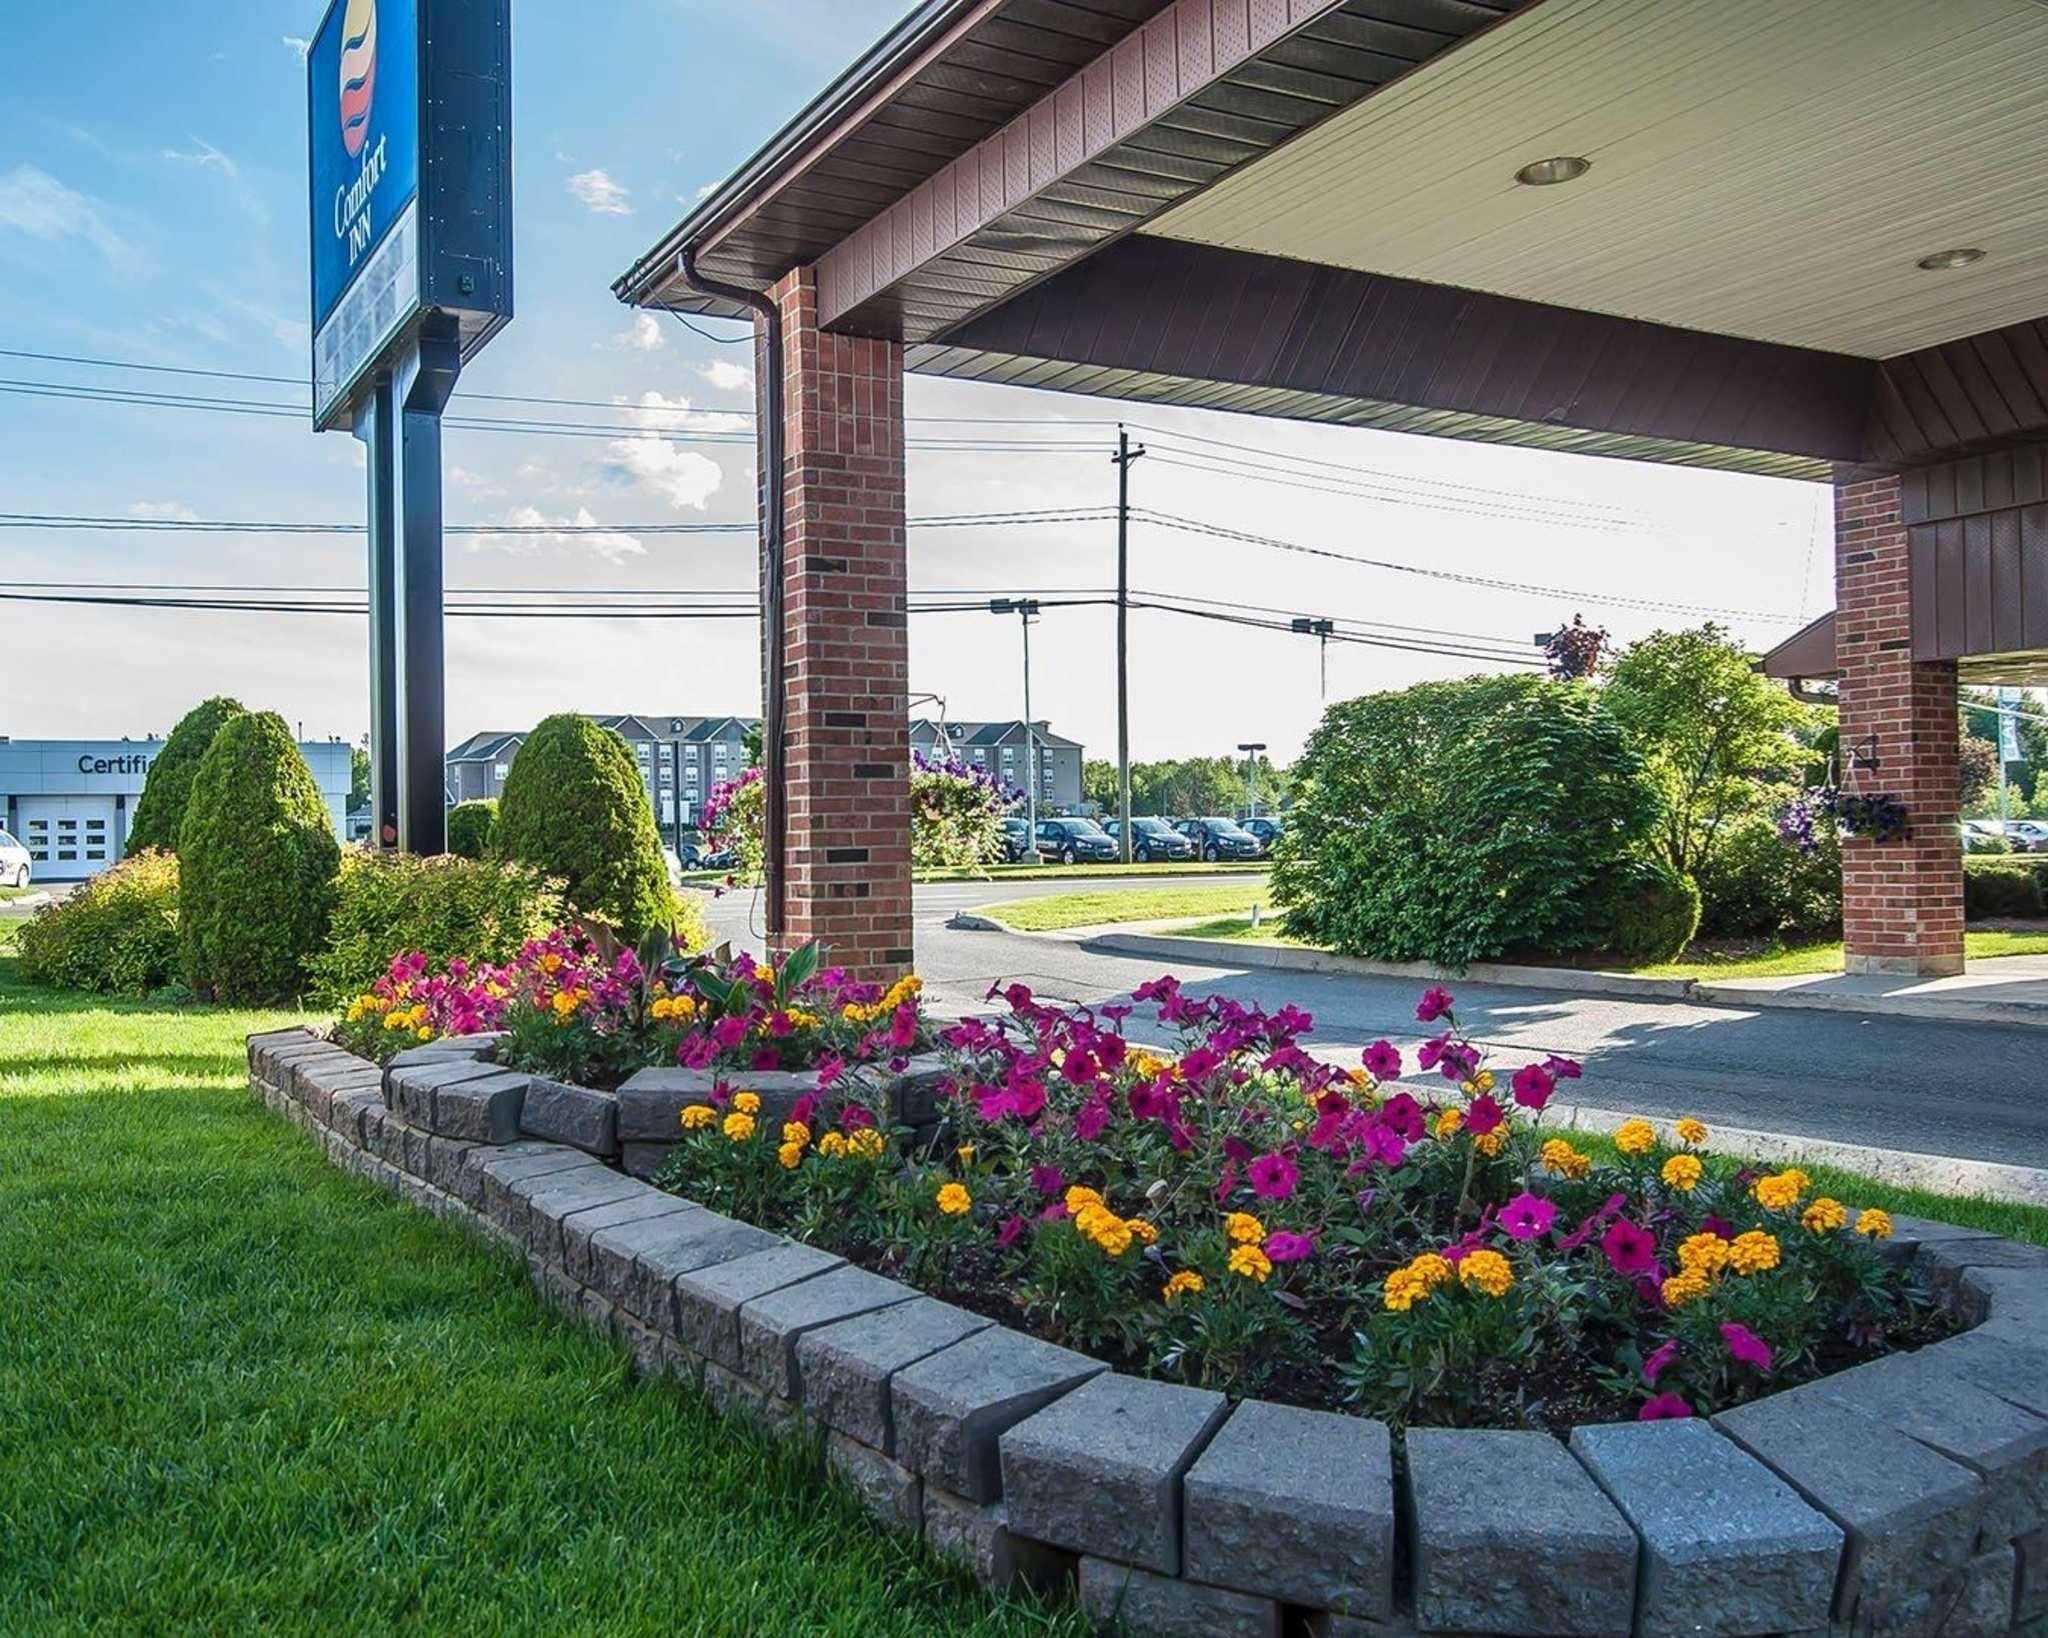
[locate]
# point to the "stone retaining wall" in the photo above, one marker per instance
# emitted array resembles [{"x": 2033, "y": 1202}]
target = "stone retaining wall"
[{"x": 1905, "y": 1497}]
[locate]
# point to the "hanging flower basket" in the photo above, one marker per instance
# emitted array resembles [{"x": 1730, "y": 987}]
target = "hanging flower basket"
[{"x": 1879, "y": 817}]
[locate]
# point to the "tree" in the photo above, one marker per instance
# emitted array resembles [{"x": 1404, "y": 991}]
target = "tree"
[
  {"x": 258, "y": 860},
  {"x": 1574, "y": 651},
  {"x": 469, "y": 828},
  {"x": 1979, "y": 769},
  {"x": 1718, "y": 737},
  {"x": 358, "y": 779},
  {"x": 1188, "y": 788},
  {"x": 160, "y": 810},
  {"x": 575, "y": 806}
]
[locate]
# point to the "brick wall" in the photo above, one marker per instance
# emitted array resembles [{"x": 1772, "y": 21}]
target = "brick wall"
[
  {"x": 1902, "y": 900},
  {"x": 846, "y": 658}
]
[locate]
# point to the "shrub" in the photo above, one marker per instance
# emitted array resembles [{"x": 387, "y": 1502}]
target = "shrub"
[
  {"x": 160, "y": 810},
  {"x": 259, "y": 858},
  {"x": 1758, "y": 885},
  {"x": 1457, "y": 821},
  {"x": 2016, "y": 887},
  {"x": 1648, "y": 914},
  {"x": 117, "y": 933},
  {"x": 446, "y": 908},
  {"x": 470, "y": 825},
  {"x": 1986, "y": 846},
  {"x": 576, "y": 808}
]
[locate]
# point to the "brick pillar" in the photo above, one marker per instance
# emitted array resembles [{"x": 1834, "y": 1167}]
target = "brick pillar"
[
  {"x": 1902, "y": 901},
  {"x": 846, "y": 657}
]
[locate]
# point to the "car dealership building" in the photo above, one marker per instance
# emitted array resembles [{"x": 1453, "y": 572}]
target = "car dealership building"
[{"x": 69, "y": 801}]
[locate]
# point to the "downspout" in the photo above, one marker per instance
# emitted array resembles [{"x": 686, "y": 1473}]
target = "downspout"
[{"x": 775, "y": 841}]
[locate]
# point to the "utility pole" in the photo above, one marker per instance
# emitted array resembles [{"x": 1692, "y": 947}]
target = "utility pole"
[
  {"x": 1251, "y": 769},
  {"x": 1026, "y": 610},
  {"x": 1321, "y": 630},
  {"x": 1123, "y": 458}
]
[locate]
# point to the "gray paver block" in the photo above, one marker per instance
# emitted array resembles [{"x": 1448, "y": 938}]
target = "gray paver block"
[
  {"x": 551, "y": 1198},
  {"x": 2007, "y": 1301},
  {"x": 578, "y": 1228},
  {"x": 500, "y": 1168},
  {"x": 1296, "y": 1505},
  {"x": 651, "y": 1102},
  {"x": 644, "y": 1159},
  {"x": 894, "y": 1495},
  {"x": 345, "y": 1111},
  {"x": 446, "y": 1050},
  {"x": 1100, "y": 1470},
  {"x": 409, "y": 1089},
  {"x": 1727, "y": 1546},
  {"x": 977, "y": 1536},
  {"x": 2002, "y": 1364},
  {"x": 950, "y": 1409},
  {"x": 771, "y": 1326},
  {"x": 708, "y": 1300},
  {"x": 1508, "y": 1533},
  {"x": 1910, "y": 1514},
  {"x": 843, "y": 1370},
  {"x": 574, "y": 1115},
  {"x": 483, "y": 1111},
  {"x": 694, "y": 1241},
  {"x": 1117, "y": 1597},
  {"x": 2030, "y": 1587},
  {"x": 2005, "y": 1446}
]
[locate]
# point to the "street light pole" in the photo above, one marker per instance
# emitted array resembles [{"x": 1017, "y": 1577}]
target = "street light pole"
[
  {"x": 1123, "y": 458},
  {"x": 1322, "y": 630},
  {"x": 1026, "y": 609},
  {"x": 1251, "y": 788}
]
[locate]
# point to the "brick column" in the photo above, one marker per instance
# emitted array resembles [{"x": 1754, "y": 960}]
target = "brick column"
[
  {"x": 1902, "y": 901},
  {"x": 846, "y": 658}
]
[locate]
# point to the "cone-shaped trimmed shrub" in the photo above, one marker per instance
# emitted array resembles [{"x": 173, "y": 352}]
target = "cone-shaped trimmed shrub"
[
  {"x": 259, "y": 859},
  {"x": 160, "y": 810},
  {"x": 576, "y": 806},
  {"x": 469, "y": 828}
]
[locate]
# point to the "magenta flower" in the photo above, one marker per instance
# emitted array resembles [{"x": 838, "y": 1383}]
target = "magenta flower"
[
  {"x": 804, "y": 1108},
  {"x": 1401, "y": 1114},
  {"x": 1048, "y": 1180},
  {"x": 1533, "y": 1085},
  {"x": 1666, "y": 1407},
  {"x": 1284, "y": 1247},
  {"x": 1629, "y": 1248},
  {"x": 1273, "y": 1177},
  {"x": 1007, "y": 1235},
  {"x": 1745, "y": 1346},
  {"x": 1383, "y": 1061},
  {"x": 1483, "y": 1115},
  {"x": 780, "y": 1024},
  {"x": 1436, "y": 1003},
  {"x": 1659, "y": 1360},
  {"x": 1526, "y": 1216},
  {"x": 1090, "y": 1120}
]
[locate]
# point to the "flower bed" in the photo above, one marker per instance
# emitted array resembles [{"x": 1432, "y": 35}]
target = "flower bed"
[{"x": 1234, "y": 1213}]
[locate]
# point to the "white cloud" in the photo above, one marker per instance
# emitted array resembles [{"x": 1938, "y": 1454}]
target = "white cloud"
[
  {"x": 163, "y": 511},
  {"x": 206, "y": 156},
  {"x": 600, "y": 193},
  {"x": 646, "y": 336},
  {"x": 470, "y": 483},
  {"x": 298, "y": 45},
  {"x": 659, "y": 412},
  {"x": 578, "y": 532},
  {"x": 725, "y": 377},
  {"x": 679, "y": 476},
  {"x": 34, "y": 202}
]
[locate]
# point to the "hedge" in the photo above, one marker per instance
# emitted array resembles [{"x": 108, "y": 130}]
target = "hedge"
[
  {"x": 160, "y": 810},
  {"x": 259, "y": 858},
  {"x": 470, "y": 825},
  {"x": 575, "y": 807},
  {"x": 116, "y": 933},
  {"x": 2015, "y": 886}
]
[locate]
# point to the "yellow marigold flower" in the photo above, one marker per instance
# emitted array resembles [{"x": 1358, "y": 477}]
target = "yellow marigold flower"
[
  {"x": 1252, "y": 1263},
  {"x": 1780, "y": 1191},
  {"x": 550, "y": 963},
  {"x": 1683, "y": 1172},
  {"x": 795, "y": 1131},
  {"x": 832, "y": 1145},
  {"x": 954, "y": 1199},
  {"x": 697, "y": 1116},
  {"x": 1486, "y": 1271},
  {"x": 423, "y": 1033},
  {"x": 1563, "y": 1159},
  {"x": 1484, "y": 1080},
  {"x": 1143, "y": 1232},
  {"x": 1635, "y": 1137},
  {"x": 1689, "y": 1285},
  {"x": 1147, "y": 1066},
  {"x": 1404, "y": 1289},
  {"x": 738, "y": 1127},
  {"x": 1187, "y": 1281},
  {"x": 1799, "y": 1178},
  {"x": 1753, "y": 1252},
  {"x": 394, "y": 1021},
  {"x": 1703, "y": 1254},
  {"x": 1824, "y": 1216},
  {"x": 851, "y": 1014},
  {"x": 866, "y": 1144},
  {"x": 1691, "y": 1131},
  {"x": 1431, "y": 1269},
  {"x": 791, "y": 1155},
  {"x": 1491, "y": 1143},
  {"x": 1873, "y": 1223},
  {"x": 964, "y": 1154},
  {"x": 1091, "y": 1217},
  {"x": 747, "y": 1103},
  {"x": 658, "y": 1008},
  {"x": 1079, "y": 1198},
  {"x": 1113, "y": 1234},
  {"x": 1244, "y": 1229},
  {"x": 1449, "y": 1121}
]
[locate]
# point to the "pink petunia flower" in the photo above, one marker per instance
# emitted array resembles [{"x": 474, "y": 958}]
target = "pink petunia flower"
[
  {"x": 1526, "y": 1216},
  {"x": 1533, "y": 1085},
  {"x": 1745, "y": 1346},
  {"x": 1659, "y": 1360},
  {"x": 1285, "y": 1247},
  {"x": 1383, "y": 1061},
  {"x": 1630, "y": 1249},
  {"x": 1436, "y": 1003},
  {"x": 1483, "y": 1115},
  {"x": 1273, "y": 1177},
  {"x": 1007, "y": 1235},
  {"x": 1666, "y": 1407},
  {"x": 1049, "y": 1180}
]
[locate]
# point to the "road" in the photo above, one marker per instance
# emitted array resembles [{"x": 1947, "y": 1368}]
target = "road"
[{"x": 1970, "y": 1090}]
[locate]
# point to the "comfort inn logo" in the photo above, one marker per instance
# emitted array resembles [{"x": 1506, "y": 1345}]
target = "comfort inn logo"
[{"x": 358, "y": 72}]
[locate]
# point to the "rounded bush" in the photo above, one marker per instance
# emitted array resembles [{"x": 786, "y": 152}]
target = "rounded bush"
[
  {"x": 469, "y": 828},
  {"x": 116, "y": 934},
  {"x": 259, "y": 859},
  {"x": 160, "y": 810},
  {"x": 1755, "y": 884},
  {"x": 576, "y": 808},
  {"x": 1650, "y": 913},
  {"x": 2014, "y": 887}
]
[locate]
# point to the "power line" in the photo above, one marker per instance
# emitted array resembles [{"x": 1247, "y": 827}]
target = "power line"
[{"x": 100, "y": 523}]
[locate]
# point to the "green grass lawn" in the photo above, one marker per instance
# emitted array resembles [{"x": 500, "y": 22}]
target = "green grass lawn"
[
  {"x": 1039, "y": 873},
  {"x": 1110, "y": 905},
  {"x": 243, "y": 1391}
]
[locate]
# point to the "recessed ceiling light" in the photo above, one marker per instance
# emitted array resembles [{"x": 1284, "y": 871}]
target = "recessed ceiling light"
[
  {"x": 1546, "y": 173},
  {"x": 1942, "y": 260}
]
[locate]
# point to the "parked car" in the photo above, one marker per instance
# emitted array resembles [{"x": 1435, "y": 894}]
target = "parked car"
[
  {"x": 1984, "y": 836},
  {"x": 14, "y": 862},
  {"x": 1151, "y": 839},
  {"x": 1016, "y": 840},
  {"x": 2027, "y": 835},
  {"x": 723, "y": 859},
  {"x": 1219, "y": 839},
  {"x": 1267, "y": 831},
  {"x": 1071, "y": 841}
]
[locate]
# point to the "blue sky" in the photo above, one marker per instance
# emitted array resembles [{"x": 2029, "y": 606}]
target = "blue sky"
[{"x": 152, "y": 210}]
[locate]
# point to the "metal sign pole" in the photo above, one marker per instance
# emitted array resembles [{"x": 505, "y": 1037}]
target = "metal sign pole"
[
  {"x": 425, "y": 378},
  {"x": 374, "y": 425}
]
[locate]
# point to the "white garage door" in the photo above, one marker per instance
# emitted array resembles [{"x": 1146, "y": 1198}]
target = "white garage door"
[{"x": 67, "y": 836}]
